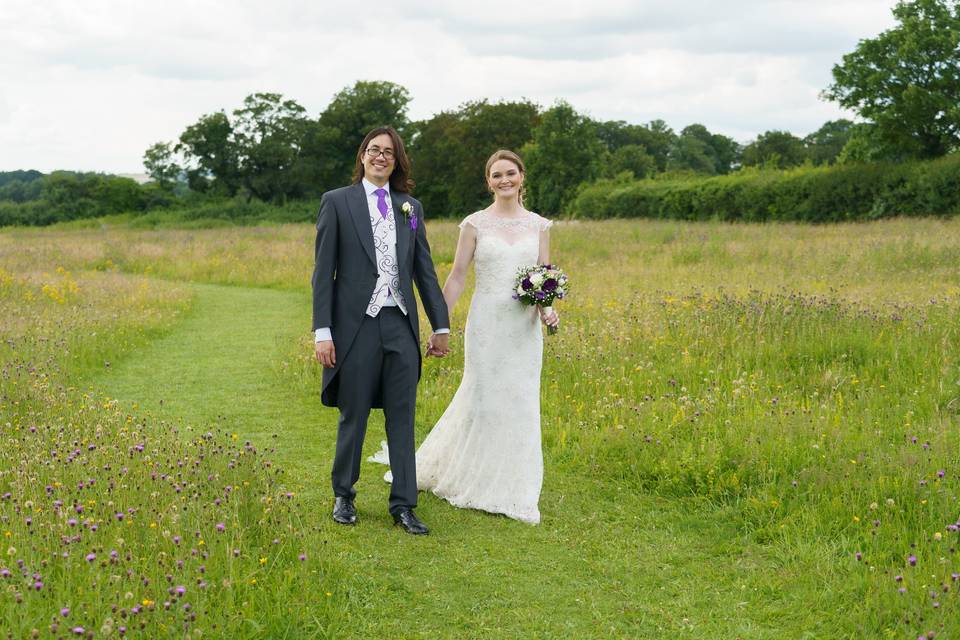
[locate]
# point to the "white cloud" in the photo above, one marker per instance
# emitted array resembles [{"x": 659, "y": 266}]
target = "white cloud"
[{"x": 91, "y": 85}]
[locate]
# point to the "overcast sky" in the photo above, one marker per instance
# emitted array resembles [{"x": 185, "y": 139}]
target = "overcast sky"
[{"x": 90, "y": 85}]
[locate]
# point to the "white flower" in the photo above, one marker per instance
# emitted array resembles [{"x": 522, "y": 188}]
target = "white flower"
[
  {"x": 536, "y": 279},
  {"x": 406, "y": 208}
]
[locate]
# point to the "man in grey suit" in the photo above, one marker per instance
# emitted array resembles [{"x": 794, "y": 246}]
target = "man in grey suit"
[{"x": 371, "y": 247}]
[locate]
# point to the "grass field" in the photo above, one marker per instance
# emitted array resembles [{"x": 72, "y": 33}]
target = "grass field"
[{"x": 749, "y": 432}]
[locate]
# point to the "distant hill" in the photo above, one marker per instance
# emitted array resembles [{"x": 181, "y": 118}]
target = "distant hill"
[{"x": 23, "y": 176}]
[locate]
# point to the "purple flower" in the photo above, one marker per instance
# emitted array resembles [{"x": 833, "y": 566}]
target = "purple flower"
[
  {"x": 912, "y": 560},
  {"x": 78, "y": 631},
  {"x": 221, "y": 526},
  {"x": 941, "y": 473},
  {"x": 91, "y": 557},
  {"x": 180, "y": 590},
  {"x": 526, "y": 284},
  {"x": 898, "y": 578},
  {"x": 549, "y": 284},
  {"x": 413, "y": 221},
  {"x": 302, "y": 557},
  {"x": 539, "y": 295},
  {"x": 858, "y": 556},
  {"x": 65, "y": 612}
]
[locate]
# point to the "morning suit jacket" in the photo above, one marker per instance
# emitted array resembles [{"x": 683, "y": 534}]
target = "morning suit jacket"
[{"x": 345, "y": 272}]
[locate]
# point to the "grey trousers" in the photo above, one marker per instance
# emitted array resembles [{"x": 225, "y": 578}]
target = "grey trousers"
[{"x": 383, "y": 361}]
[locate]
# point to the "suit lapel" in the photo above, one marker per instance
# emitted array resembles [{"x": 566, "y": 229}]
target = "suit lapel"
[
  {"x": 403, "y": 229},
  {"x": 360, "y": 214}
]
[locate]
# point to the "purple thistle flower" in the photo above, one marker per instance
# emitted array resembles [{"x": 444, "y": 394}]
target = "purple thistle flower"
[
  {"x": 221, "y": 526},
  {"x": 302, "y": 557},
  {"x": 91, "y": 557},
  {"x": 180, "y": 590},
  {"x": 78, "y": 631},
  {"x": 65, "y": 612},
  {"x": 898, "y": 578},
  {"x": 4, "y": 573},
  {"x": 912, "y": 560},
  {"x": 858, "y": 556},
  {"x": 941, "y": 473}
]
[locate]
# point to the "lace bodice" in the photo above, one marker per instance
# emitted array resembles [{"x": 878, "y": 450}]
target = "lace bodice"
[{"x": 503, "y": 246}]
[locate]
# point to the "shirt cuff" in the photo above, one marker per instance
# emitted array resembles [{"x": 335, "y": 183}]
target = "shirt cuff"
[
  {"x": 444, "y": 330},
  {"x": 322, "y": 334}
]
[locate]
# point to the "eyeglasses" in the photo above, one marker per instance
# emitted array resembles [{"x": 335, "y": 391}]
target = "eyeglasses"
[{"x": 373, "y": 152}]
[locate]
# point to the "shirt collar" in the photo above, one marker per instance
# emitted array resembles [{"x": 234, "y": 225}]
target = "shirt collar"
[{"x": 369, "y": 187}]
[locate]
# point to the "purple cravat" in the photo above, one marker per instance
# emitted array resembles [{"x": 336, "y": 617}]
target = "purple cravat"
[{"x": 382, "y": 202}]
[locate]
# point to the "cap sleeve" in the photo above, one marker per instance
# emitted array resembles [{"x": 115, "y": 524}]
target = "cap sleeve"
[
  {"x": 543, "y": 223},
  {"x": 470, "y": 220}
]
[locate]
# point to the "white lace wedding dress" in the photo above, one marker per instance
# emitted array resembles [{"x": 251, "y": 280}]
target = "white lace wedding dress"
[{"x": 484, "y": 452}]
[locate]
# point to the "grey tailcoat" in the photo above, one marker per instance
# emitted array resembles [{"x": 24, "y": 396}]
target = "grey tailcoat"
[{"x": 345, "y": 272}]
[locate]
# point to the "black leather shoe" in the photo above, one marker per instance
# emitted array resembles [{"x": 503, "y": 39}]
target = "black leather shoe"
[
  {"x": 410, "y": 523},
  {"x": 343, "y": 511}
]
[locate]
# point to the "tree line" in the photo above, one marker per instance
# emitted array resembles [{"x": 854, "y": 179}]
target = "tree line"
[{"x": 904, "y": 84}]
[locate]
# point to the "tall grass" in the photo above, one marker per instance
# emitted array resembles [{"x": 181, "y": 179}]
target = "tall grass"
[{"x": 805, "y": 380}]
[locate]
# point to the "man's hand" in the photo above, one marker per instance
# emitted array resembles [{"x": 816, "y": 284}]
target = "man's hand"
[
  {"x": 326, "y": 354},
  {"x": 438, "y": 345}
]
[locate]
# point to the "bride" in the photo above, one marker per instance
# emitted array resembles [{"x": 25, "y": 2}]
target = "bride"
[{"x": 484, "y": 452}]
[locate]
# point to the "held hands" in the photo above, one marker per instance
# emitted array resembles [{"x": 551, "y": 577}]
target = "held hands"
[
  {"x": 438, "y": 345},
  {"x": 326, "y": 354}
]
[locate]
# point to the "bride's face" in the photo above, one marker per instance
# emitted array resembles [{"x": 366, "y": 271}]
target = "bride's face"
[{"x": 504, "y": 179}]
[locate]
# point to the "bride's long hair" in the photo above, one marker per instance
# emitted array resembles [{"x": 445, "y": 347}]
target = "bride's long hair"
[{"x": 506, "y": 154}]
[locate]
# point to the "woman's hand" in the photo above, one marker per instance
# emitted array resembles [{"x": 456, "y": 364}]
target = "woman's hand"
[{"x": 549, "y": 317}]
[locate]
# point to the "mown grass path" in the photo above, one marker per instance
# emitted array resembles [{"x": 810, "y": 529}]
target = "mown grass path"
[{"x": 603, "y": 563}]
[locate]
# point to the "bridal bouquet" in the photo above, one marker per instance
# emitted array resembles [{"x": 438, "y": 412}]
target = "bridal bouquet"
[{"x": 540, "y": 286}]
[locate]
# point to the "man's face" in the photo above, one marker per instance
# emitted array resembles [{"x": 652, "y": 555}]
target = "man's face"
[{"x": 378, "y": 159}]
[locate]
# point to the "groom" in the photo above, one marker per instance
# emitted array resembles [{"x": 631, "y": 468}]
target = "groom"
[{"x": 371, "y": 247}]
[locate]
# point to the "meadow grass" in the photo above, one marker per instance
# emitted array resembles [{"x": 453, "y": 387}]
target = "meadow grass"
[{"x": 749, "y": 431}]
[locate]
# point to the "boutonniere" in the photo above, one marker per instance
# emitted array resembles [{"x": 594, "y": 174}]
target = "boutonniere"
[{"x": 409, "y": 214}]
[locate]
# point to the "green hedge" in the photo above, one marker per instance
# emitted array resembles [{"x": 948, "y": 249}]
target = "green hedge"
[{"x": 810, "y": 194}]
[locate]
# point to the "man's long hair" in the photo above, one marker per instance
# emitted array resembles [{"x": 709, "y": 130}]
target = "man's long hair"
[{"x": 400, "y": 179}]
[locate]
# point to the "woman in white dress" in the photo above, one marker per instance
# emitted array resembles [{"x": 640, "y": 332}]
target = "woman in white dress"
[{"x": 484, "y": 452}]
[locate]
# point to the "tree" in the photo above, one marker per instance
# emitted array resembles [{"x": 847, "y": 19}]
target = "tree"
[
  {"x": 565, "y": 152},
  {"x": 635, "y": 159},
  {"x": 330, "y": 147},
  {"x": 160, "y": 162},
  {"x": 453, "y": 147},
  {"x": 655, "y": 137},
  {"x": 268, "y": 133},
  {"x": 781, "y": 149},
  {"x": 696, "y": 149},
  {"x": 906, "y": 81},
  {"x": 826, "y": 143},
  {"x": 209, "y": 144}
]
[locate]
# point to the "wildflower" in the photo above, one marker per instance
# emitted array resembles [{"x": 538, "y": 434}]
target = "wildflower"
[
  {"x": 912, "y": 560},
  {"x": 221, "y": 526},
  {"x": 65, "y": 612},
  {"x": 91, "y": 557}
]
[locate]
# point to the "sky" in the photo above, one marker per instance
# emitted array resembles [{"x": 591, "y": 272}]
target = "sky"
[{"x": 88, "y": 86}]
